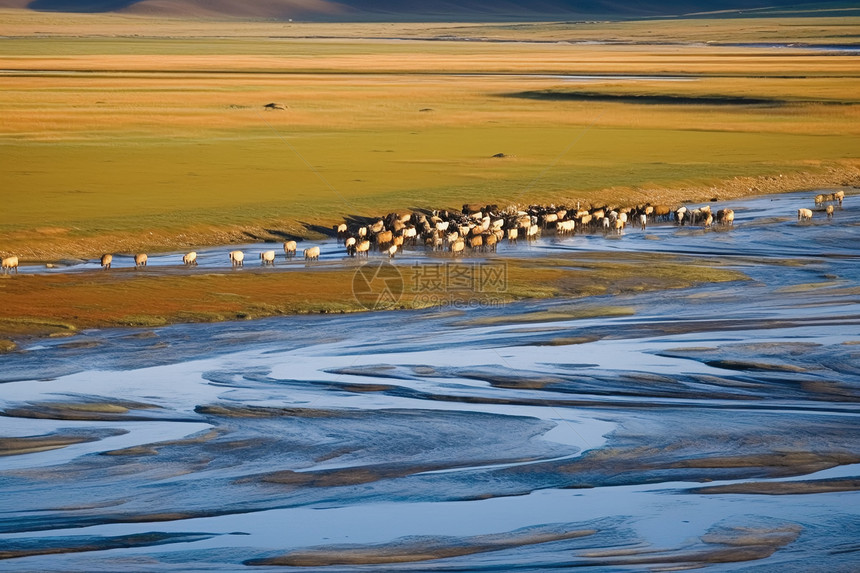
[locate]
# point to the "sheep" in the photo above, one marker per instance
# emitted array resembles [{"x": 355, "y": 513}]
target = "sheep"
[
  {"x": 106, "y": 260},
  {"x": 679, "y": 215},
  {"x": 490, "y": 242},
  {"x": 237, "y": 258},
  {"x": 267, "y": 258},
  {"x": 340, "y": 230},
  {"x": 8, "y": 264},
  {"x": 290, "y": 249},
  {"x": 190, "y": 259},
  {"x": 458, "y": 246},
  {"x": 362, "y": 248},
  {"x": 726, "y": 217},
  {"x": 563, "y": 227},
  {"x": 384, "y": 238},
  {"x": 140, "y": 260},
  {"x": 803, "y": 214},
  {"x": 312, "y": 254},
  {"x": 829, "y": 211}
]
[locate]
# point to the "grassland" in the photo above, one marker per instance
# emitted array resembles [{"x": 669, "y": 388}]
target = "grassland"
[{"x": 124, "y": 134}]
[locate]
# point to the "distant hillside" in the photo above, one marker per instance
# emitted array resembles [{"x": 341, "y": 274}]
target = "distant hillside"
[{"x": 407, "y": 10}]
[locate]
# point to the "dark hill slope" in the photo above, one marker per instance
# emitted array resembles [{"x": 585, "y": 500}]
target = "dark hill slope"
[{"x": 407, "y": 10}]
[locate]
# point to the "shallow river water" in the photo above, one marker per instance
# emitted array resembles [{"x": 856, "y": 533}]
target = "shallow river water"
[{"x": 714, "y": 426}]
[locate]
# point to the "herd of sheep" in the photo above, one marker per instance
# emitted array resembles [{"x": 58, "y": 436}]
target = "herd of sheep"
[{"x": 482, "y": 227}]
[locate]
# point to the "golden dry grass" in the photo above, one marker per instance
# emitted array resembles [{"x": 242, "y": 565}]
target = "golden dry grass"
[
  {"x": 127, "y": 134},
  {"x": 139, "y": 134}
]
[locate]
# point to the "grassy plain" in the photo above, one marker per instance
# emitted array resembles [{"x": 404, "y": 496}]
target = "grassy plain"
[{"x": 125, "y": 134}]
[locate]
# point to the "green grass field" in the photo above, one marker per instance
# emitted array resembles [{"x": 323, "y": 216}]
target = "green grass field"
[{"x": 122, "y": 141}]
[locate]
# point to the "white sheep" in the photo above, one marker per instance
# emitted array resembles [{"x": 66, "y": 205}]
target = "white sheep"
[
  {"x": 9, "y": 263},
  {"x": 267, "y": 258}
]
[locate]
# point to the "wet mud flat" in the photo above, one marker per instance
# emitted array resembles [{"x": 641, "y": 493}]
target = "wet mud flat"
[{"x": 713, "y": 426}]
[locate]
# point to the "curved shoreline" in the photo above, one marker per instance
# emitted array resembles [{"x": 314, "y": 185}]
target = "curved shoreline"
[{"x": 41, "y": 246}]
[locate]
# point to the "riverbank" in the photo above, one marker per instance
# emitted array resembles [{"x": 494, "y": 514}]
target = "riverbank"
[{"x": 55, "y": 244}]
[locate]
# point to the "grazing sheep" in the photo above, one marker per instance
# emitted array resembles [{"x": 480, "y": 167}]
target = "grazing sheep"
[
  {"x": 340, "y": 230},
  {"x": 726, "y": 217},
  {"x": 312, "y": 254},
  {"x": 384, "y": 238},
  {"x": 803, "y": 214},
  {"x": 267, "y": 258},
  {"x": 680, "y": 213},
  {"x": 106, "y": 260},
  {"x": 140, "y": 260},
  {"x": 9, "y": 263},
  {"x": 829, "y": 211},
  {"x": 190, "y": 259},
  {"x": 490, "y": 242},
  {"x": 564, "y": 227},
  {"x": 290, "y": 249},
  {"x": 362, "y": 248},
  {"x": 839, "y": 196},
  {"x": 661, "y": 211},
  {"x": 458, "y": 246},
  {"x": 237, "y": 258}
]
